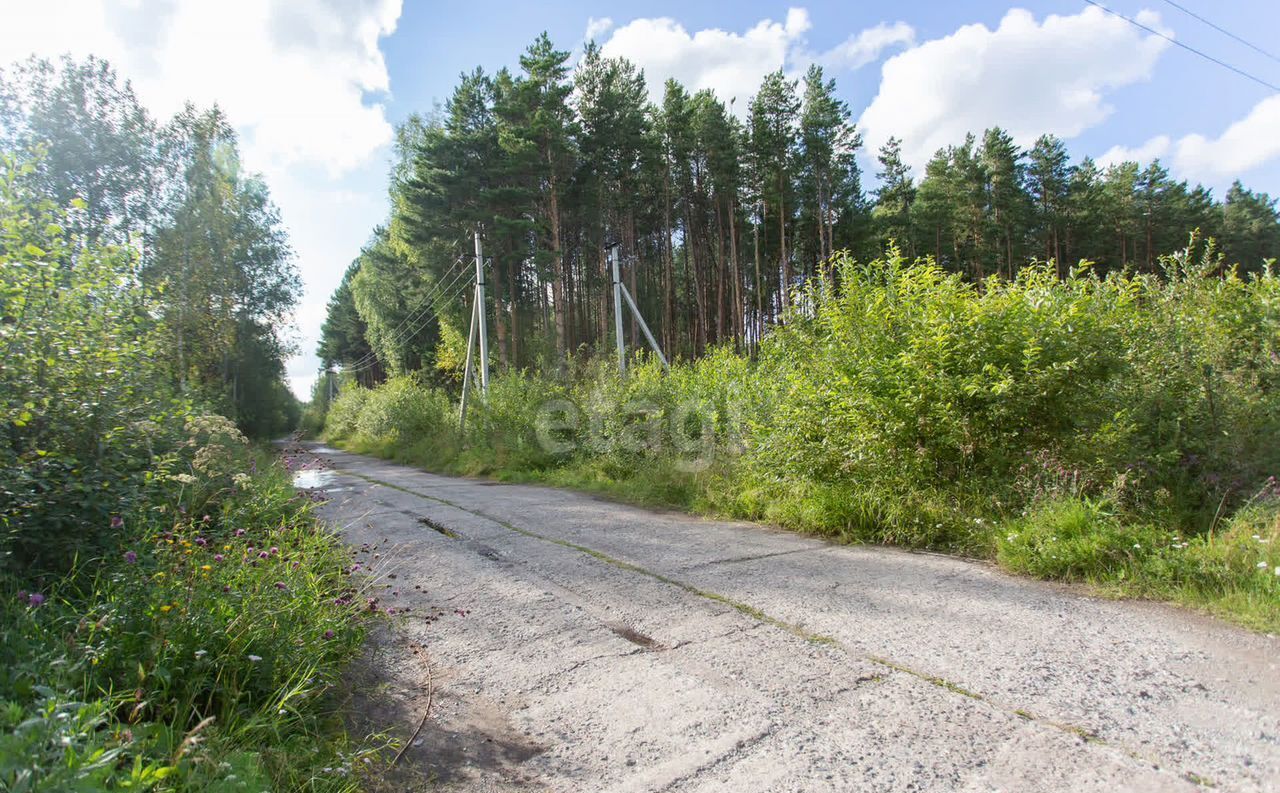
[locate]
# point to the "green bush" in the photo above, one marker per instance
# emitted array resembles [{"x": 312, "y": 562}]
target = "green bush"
[
  {"x": 340, "y": 422},
  {"x": 199, "y": 651},
  {"x": 1092, "y": 419},
  {"x": 142, "y": 644}
]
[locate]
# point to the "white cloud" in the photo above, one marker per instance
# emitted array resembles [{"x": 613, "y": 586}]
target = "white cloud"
[
  {"x": 731, "y": 64},
  {"x": 1030, "y": 78},
  {"x": 597, "y": 28},
  {"x": 867, "y": 46},
  {"x": 292, "y": 75},
  {"x": 1156, "y": 147},
  {"x": 734, "y": 64},
  {"x": 1246, "y": 144}
]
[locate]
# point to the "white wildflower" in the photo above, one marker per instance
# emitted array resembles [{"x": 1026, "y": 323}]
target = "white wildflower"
[
  {"x": 1262, "y": 565},
  {"x": 255, "y": 658},
  {"x": 201, "y": 653}
]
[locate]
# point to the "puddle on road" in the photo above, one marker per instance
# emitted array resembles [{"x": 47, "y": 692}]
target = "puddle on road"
[
  {"x": 313, "y": 479},
  {"x": 324, "y": 450}
]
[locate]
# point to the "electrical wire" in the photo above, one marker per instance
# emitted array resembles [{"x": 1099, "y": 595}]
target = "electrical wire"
[
  {"x": 407, "y": 329},
  {"x": 438, "y": 296},
  {"x": 370, "y": 356},
  {"x": 1186, "y": 47},
  {"x": 416, "y": 314},
  {"x": 421, "y": 317},
  {"x": 1223, "y": 31}
]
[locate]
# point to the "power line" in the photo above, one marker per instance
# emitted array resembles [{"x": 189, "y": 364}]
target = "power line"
[
  {"x": 416, "y": 313},
  {"x": 1187, "y": 47},
  {"x": 421, "y": 316},
  {"x": 441, "y": 294},
  {"x": 403, "y": 331},
  {"x": 1223, "y": 31},
  {"x": 411, "y": 316}
]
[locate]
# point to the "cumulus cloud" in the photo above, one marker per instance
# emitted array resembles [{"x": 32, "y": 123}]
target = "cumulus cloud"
[
  {"x": 1026, "y": 76},
  {"x": 291, "y": 74},
  {"x": 597, "y": 28},
  {"x": 1247, "y": 143},
  {"x": 867, "y": 46},
  {"x": 731, "y": 64},
  {"x": 1156, "y": 147},
  {"x": 294, "y": 77},
  {"x": 1252, "y": 141}
]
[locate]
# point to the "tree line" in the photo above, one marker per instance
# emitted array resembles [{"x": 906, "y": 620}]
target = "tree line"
[
  {"x": 717, "y": 217},
  {"x": 205, "y": 240}
]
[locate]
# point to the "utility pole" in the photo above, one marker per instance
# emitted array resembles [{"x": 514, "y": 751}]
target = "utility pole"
[
  {"x": 480, "y": 323},
  {"x": 617, "y": 309},
  {"x": 477, "y": 327},
  {"x": 620, "y": 292},
  {"x": 466, "y": 371}
]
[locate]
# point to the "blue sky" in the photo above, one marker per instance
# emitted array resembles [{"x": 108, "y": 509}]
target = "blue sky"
[{"x": 315, "y": 87}]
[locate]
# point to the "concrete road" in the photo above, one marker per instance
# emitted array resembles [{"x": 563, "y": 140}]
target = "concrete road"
[{"x": 576, "y": 644}]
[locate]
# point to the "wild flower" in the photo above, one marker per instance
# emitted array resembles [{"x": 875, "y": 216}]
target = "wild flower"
[
  {"x": 1262, "y": 565},
  {"x": 217, "y": 557},
  {"x": 117, "y": 522},
  {"x": 166, "y": 608},
  {"x": 201, "y": 653},
  {"x": 201, "y": 541},
  {"x": 281, "y": 585},
  {"x": 131, "y": 557},
  {"x": 206, "y": 567},
  {"x": 238, "y": 532},
  {"x": 274, "y": 550},
  {"x": 263, "y": 555},
  {"x": 254, "y": 658},
  {"x": 35, "y": 599},
  {"x": 329, "y": 633}
]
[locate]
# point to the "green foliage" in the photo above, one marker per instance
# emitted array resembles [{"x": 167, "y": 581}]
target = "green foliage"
[
  {"x": 143, "y": 645},
  {"x": 905, "y": 404},
  {"x": 83, "y": 406},
  {"x": 171, "y": 205},
  {"x": 197, "y": 651}
]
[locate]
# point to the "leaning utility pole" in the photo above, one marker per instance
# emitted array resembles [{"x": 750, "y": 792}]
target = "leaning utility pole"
[
  {"x": 480, "y": 323},
  {"x": 477, "y": 327},
  {"x": 620, "y": 292},
  {"x": 617, "y": 310}
]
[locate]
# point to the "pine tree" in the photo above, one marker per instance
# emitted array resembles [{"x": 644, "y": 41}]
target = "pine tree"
[
  {"x": 1049, "y": 175},
  {"x": 537, "y": 132},
  {"x": 774, "y": 115},
  {"x": 1008, "y": 205},
  {"x": 894, "y": 197}
]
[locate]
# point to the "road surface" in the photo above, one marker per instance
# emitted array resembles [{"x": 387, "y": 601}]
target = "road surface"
[{"x": 576, "y": 644}]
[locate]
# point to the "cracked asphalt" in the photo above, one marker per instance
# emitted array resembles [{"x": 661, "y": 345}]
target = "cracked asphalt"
[{"x": 577, "y": 644}]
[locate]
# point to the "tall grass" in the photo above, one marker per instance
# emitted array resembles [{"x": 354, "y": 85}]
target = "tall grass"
[
  {"x": 198, "y": 653},
  {"x": 901, "y": 404}
]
